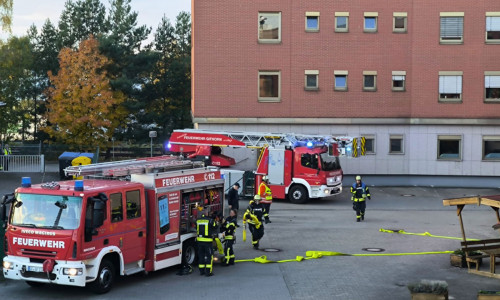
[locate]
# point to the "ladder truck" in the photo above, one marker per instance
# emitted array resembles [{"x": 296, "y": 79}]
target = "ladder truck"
[
  {"x": 299, "y": 166},
  {"x": 122, "y": 218}
]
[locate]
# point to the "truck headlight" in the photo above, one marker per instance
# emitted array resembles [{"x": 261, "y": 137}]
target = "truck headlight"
[
  {"x": 327, "y": 192},
  {"x": 72, "y": 271},
  {"x": 8, "y": 265}
]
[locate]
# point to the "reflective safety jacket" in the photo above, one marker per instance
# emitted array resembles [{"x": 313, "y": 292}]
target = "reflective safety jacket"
[
  {"x": 228, "y": 228},
  {"x": 265, "y": 193},
  {"x": 205, "y": 228},
  {"x": 7, "y": 151},
  {"x": 255, "y": 213},
  {"x": 359, "y": 192}
]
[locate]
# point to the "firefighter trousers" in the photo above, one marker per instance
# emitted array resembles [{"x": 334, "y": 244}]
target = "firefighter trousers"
[
  {"x": 257, "y": 234},
  {"x": 359, "y": 207},
  {"x": 229, "y": 252},
  {"x": 205, "y": 257},
  {"x": 267, "y": 206}
]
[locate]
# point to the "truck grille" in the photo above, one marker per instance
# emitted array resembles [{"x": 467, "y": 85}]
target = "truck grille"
[
  {"x": 40, "y": 275},
  {"x": 39, "y": 253}
]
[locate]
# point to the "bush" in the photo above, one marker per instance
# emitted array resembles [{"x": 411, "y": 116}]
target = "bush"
[{"x": 429, "y": 287}]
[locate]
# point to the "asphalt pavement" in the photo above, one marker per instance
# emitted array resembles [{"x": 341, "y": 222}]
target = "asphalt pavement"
[{"x": 323, "y": 225}]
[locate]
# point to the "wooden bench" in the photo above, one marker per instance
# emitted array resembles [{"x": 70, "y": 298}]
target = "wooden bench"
[{"x": 491, "y": 248}]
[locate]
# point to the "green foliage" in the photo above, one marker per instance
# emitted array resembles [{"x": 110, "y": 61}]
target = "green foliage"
[
  {"x": 6, "y": 14},
  {"x": 429, "y": 287}
]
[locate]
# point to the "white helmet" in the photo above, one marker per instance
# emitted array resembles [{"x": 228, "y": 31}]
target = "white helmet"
[{"x": 264, "y": 177}]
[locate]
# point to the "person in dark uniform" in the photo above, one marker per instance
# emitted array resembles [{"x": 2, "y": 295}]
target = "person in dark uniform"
[
  {"x": 254, "y": 215},
  {"x": 359, "y": 192},
  {"x": 233, "y": 198},
  {"x": 228, "y": 228},
  {"x": 206, "y": 227}
]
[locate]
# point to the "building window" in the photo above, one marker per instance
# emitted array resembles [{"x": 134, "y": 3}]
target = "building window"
[
  {"x": 341, "y": 22},
  {"x": 370, "y": 24},
  {"x": 369, "y": 144},
  {"x": 452, "y": 28},
  {"x": 491, "y": 147},
  {"x": 492, "y": 86},
  {"x": 311, "y": 80},
  {"x": 269, "y": 86},
  {"x": 400, "y": 22},
  {"x": 312, "y": 21},
  {"x": 493, "y": 27},
  {"x": 116, "y": 207},
  {"x": 369, "y": 81},
  {"x": 133, "y": 199},
  {"x": 340, "y": 80},
  {"x": 449, "y": 147},
  {"x": 450, "y": 86},
  {"x": 270, "y": 27},
  {"x": 398, "y": 81},
  {"x": 396, "y": 144}
]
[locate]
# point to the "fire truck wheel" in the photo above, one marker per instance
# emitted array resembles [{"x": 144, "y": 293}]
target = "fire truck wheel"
[
  {"x": 35, "y": 284},
  {"x": 189, "y": 253},
  {"x": 298, "y": 194},
  {"x": 105, "y": 278}
]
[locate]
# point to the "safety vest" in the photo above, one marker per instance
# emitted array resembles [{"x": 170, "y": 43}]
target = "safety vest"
[
  {"x": 265, "y": 193},
  {"x": 204, "y": 229},
  {"x": 359, "y": 193},
  {"x": 7, "y": 151}
]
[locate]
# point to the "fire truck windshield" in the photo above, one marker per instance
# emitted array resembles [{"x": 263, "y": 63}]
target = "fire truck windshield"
[
  {"x": 329, "y": 163},
  {"x": 46, "y": 211}
]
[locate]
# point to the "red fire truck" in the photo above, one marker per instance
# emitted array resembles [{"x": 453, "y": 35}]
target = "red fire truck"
[
  {"x": 81, "y": 232},
  {"x": 298, "y": 166}
]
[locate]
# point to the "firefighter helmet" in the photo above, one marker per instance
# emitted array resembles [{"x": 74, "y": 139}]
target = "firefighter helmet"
[
  {"x": 265, "y": 178},
  {"x": 256, "y": 197},
  {"x": 358, "y": 177}
]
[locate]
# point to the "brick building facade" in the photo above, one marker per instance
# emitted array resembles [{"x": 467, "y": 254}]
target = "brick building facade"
[{"x": 420, "y": 79}]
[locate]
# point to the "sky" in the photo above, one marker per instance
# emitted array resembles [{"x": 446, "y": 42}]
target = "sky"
[{"x": 150, "y": 12}]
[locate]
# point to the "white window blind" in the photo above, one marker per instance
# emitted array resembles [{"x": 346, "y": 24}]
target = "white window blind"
[
  {"x": 492, "y": 23},
  {"x": 398, "y": 77},
  {"x": 452, "y": 27},
  {"x": 492, "y": 81},
  {"x": 450, "y": 84}
]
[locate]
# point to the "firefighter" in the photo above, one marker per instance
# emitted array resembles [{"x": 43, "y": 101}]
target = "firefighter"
[
  {"x": 359, "y": 192},
  {"x": 206, "y": 227},
  {"x": 266, "y": 196},
  {"x": 228, "y": 228},
  {"x": 6, "y": 152},
  {"x": 253, "y": 215}
]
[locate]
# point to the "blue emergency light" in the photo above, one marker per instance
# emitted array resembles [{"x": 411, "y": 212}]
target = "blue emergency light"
[
  {"x": 26, "y": 182},
  {"x": 169, "y": 145},
  {"x": 309, "y": 144},
  {"x": 79, "y": 185}
]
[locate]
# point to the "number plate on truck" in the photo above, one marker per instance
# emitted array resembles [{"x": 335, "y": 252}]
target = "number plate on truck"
[{"x": 34, "y": 269}]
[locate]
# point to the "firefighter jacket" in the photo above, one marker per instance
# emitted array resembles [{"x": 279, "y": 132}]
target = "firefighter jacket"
[
  {"x": 360, "y": 192},
  {"x": 265, "y": 193},
  {"x": 206, "y": 228},
  {"x": 228, "y": 228},
  {"x": 254, "y": 214}
]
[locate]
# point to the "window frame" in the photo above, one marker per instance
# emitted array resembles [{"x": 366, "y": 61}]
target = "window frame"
[
  {"x": 449, "y": 74},
  {"x": 370, "y": 137},
  {"x": 398, "y": 89},
  {"x": 486, "y": 74},
  {"x": 311, "y": 14},
  {"x": 489, "y": 138},
  {"x": 370, "y": 15},
  {"x": 111, "y": 202},
  {"x": 311, "y": 73},
  {"x": 449, "y": 137},
  {"x": 342, "y": 15},
  {"x": 451, "y": 15},
  {"x": 139, "y": 208},
  {"x": 492, "y": 14},
  {"x": 370, "y": 73},
  {"x": 399, "y": 137},
  {"x": 269, "y": 99},
  {"x": 340, "y": 73},
  {"x": 403, "y": 15},
  {"x": 268, "y": 41}
]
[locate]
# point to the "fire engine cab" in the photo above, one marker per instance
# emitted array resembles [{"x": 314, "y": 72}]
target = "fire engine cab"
[
  {"x": 85, "y": 232},
  {"x": 298, "y": 166}
]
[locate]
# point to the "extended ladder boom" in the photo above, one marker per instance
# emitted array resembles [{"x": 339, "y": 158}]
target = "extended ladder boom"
[{"x": 133, "y": 166}]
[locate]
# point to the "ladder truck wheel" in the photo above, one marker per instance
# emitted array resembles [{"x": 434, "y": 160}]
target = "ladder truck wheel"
[
  {"x": 298, "y": 194},
  {"x": 189, "y": 252},
  {"x": 35, "y": 284},
  {"x": 105, "y": 278}
]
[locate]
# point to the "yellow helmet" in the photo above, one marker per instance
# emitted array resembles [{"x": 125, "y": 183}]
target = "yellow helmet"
[
  {"x": 358, "y": 177},
  {"x": 256, "y": 197}
]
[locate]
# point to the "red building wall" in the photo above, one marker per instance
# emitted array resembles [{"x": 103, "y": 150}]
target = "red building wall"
[{"x": 227, "y": 57}]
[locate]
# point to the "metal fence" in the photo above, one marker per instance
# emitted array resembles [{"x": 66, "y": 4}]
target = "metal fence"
[{"x": 22, "y": 163}]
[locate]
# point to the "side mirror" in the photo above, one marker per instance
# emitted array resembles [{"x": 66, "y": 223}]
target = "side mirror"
[{"x": 6, "y": 200}]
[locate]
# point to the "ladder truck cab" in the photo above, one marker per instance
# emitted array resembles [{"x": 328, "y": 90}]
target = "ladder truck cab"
[
  {"x": 299, "y": 167},
  {"x": 123, "y": 218}
]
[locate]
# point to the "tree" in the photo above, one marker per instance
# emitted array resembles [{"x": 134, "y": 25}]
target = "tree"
[
  {"x": 82, "y": 106},
  {"x": 6, "y": 14}
]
